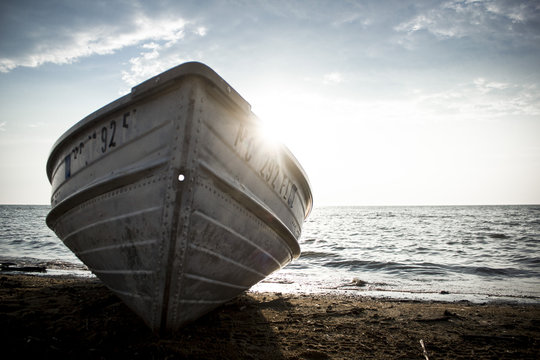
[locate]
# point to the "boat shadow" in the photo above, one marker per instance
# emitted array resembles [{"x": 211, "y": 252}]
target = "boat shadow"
[
  {"x": 81, "y": 318},
  {"x": 236, "y": 330}
]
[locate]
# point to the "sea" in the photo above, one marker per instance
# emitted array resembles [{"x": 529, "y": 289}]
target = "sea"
[{"x": 429, "y": 253}]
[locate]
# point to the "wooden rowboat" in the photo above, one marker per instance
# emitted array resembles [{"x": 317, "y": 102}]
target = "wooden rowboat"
[{"x": 174, "y": 199}]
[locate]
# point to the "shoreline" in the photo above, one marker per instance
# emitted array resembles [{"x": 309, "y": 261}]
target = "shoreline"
[
  {"x": 373, "y": 292},
  {"x": 360, "y": 288},
  {"x": 74, "y": 317}
]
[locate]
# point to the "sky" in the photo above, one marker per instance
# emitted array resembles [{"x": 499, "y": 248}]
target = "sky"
[{"x": 382, "y": 102}]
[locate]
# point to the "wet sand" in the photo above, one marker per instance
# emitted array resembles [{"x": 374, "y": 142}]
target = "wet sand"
[{"x": 78, "y": 318}]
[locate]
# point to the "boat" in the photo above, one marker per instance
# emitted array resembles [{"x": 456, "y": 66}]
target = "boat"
[{"x": 174, "y": 198}]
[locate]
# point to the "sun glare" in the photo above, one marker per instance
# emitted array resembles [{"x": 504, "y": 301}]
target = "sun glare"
[
  {"x": 280, "y": 117},
  {"x": 270, "y": 133}
]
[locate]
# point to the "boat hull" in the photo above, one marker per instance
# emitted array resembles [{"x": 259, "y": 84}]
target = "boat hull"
[{"x": 174, "y": 199}]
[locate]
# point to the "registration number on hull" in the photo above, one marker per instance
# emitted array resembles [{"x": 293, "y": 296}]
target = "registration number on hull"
[
  {"x": 267, "y": 165},
  {"x": 97, "y": 142}
]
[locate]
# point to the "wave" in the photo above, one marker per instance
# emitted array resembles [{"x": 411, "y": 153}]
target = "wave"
[
  {"x": 430, "y": 269},
  {"x": 388, "y": 267},
  {"x": 318, "y": 255},
  {"x": 498, "y": 236},
  {"x": 9, "y": 264}
]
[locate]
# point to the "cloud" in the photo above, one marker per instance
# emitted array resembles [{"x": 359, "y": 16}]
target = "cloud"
[
  {"x": 160, "y": 55},
  {"x": 482, "y": 99},
  {"x": 35, "y": 124},
  {"x": 78, "y": 33},
  {"x": 333, "y": 78},
  {"x": 87, "y": 42},
  {"x": 477, "y": 19},
  {"x": 485, "y": 86},
  {"x": 149, "y": 63},
  {"x": 3, "y": 126},
  {"x": 201, "y": 31},
  {"x": 516, "y": 11}
]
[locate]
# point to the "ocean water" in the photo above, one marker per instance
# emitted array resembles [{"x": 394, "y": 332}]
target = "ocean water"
[
  {"x": 25, "y": 240},
  {"x": 449, "y": 253}
]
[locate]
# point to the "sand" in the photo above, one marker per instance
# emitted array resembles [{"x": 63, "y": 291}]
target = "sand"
[{"x": 78, "y": 318}]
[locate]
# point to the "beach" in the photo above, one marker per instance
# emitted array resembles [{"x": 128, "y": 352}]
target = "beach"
[{"x": 73, "y": 317}]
